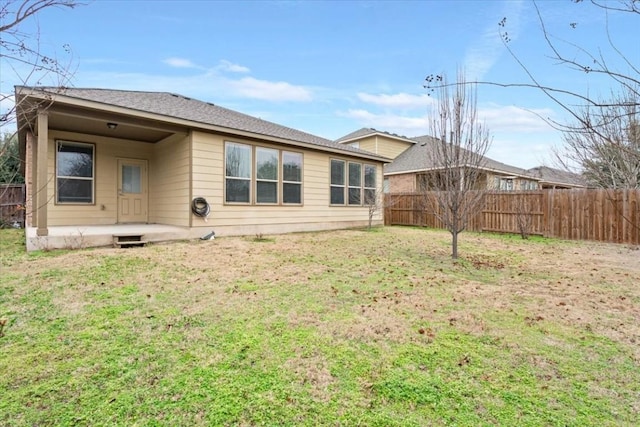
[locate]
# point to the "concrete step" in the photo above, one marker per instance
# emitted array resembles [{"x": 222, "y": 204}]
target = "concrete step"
[{"x": 128, "y": 240}]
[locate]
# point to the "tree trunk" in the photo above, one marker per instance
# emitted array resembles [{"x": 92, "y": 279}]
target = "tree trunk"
[{"x": 454, "y": 244}]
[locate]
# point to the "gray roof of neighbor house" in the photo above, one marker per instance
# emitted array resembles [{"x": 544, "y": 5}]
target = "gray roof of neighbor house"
[
  {"x": 364, "y": 132},
  {"x": 422, "y": 156},
  {"x": 177, "y": 106},
  {"x": 557, "y": 176}
]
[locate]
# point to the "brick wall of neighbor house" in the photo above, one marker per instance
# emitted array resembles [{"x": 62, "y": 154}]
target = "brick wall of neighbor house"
[
  {"x": 29, "y": 179},
  {"x": 402, "y": 183}
]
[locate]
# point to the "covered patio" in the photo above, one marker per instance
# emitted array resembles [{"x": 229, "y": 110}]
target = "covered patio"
[{"x": 83, "y": 236}]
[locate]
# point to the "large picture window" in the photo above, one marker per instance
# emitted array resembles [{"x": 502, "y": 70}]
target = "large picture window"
[
  {"x": 276, "y": 177},
  {"x": 74, "y": 172},
  {"x": 352, "y": 183}
]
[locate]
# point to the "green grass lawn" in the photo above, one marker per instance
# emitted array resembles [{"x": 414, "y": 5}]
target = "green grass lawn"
[{"x": 355, "y": 327}]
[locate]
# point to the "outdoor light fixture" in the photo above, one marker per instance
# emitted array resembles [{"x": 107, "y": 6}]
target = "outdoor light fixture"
[{"x": 112, "y": 125}]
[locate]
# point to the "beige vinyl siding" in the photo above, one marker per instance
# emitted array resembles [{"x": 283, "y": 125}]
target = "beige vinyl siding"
[
  {"x": 368, "y": 144},
  {"x": 107, "y": 151},
  {"x": 169, "y": 173},
  {"x": 207, "y": 173},
  {"x": 391, "y": 148},
  {"x": 208, "y": 182},
  {"x": 386, "y": 147}
]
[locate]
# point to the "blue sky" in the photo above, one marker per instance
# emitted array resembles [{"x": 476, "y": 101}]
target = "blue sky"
[{"x": 330, "y": 68}]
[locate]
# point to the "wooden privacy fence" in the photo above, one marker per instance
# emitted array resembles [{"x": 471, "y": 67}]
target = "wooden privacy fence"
[
  {"x": 602, "y": 214},
  {"x": 12, "y": 198}
]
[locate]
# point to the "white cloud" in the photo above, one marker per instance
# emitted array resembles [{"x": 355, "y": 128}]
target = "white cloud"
[
  {"x": 514, "y": 119},
  {"x": 208, "y": 85},
  {"x": 488, "y": 47},
  {"x": 399, "y": 100},
  {"x": 225, "y": 65},
  {"x": 180, "y": 63},
  {"x": 408, "y": 126},
  {"x": 250, "y": 87}
]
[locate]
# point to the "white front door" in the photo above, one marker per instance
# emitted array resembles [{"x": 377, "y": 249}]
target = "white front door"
[{"x": 132, "y": 190}]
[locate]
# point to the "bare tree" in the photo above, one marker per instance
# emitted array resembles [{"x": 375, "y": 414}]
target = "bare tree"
[
  {"x": 523, "y": 207},
  {"x": 605, "y": 143},
  {"x": 456, "y": 158},
  {"x": 25, "y": 63},
  {"x": 597, "y": 127},
  {"x": 376, "y": 200},
  {"x": 22, "y": 60}
]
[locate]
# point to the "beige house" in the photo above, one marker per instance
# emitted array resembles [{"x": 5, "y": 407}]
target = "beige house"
[
  {"x": 414, "y": 163},
  {"x": 110, "y": 166}
]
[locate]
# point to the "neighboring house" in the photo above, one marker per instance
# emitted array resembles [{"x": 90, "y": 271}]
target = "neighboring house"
[
  {"x": 101, "y": 163},
  {"x": 383, "y": 143},
  {"x": 556, "y": 179},
  {"x": 415, "y": 161}
]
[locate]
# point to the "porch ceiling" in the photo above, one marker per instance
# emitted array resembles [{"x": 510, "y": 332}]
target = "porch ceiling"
[{"x": 95, "y": 123}]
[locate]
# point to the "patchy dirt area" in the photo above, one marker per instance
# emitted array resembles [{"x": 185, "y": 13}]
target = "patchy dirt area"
[
  {"x": 352, "y": 319},
  {"x": 387, "y": 280}
]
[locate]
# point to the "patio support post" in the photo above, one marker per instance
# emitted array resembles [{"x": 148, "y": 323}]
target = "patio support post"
[{"x": 41, "y": 197}]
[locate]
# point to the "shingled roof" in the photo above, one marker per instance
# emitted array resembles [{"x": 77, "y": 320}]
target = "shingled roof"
[
  {"x": 422, "y": 157},
  {"x": 364, "y": 132},
  {"x": 557, "y": 176},
  {"x": 172, "y": 105}
]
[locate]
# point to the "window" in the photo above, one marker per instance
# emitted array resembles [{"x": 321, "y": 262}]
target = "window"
[
  {"x": 352, "y": 183},
  {"x": 337, "y": 182},
  {"x": 74, "y": 172},
  {"x": 291, "y": 177},
  {"x": 266, "y": 175},
  {"x": 369, "y": 184},
  {"x": 237, "y": 173},
  {"x": 529, "y": 185},
  {"x": 504, "y": 184},
  {"x": 277, "y": 177},
  {"x": 355, "y": 183}
]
